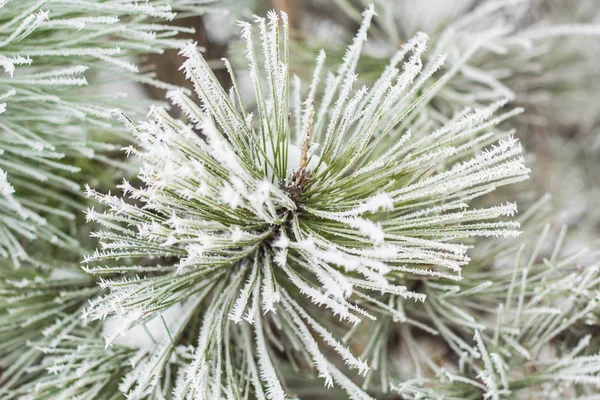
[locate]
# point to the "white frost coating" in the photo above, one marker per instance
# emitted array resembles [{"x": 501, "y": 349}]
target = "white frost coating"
[
  {"x": 138, "y": 336},
  {"x": 241, "y": 303},
  {"x": 5, "y": 187}
]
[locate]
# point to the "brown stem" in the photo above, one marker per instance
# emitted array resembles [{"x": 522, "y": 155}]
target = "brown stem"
[{"x": 306, "y": 143}]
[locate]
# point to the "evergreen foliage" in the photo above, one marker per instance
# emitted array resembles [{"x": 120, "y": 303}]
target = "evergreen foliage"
[{"x": 342, "y": 232}]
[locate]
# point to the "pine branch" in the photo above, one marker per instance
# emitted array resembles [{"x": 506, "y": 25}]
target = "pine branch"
[
  {"x": 259, "y": 222},
  {"x": 56, "y": 54}
]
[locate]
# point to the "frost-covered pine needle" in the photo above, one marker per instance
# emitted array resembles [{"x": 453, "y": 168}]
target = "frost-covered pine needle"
[
  {"x": 54, "y": 56},
  {"x": 57, "y": 60},
  {"x": 530, "y": 337}
]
